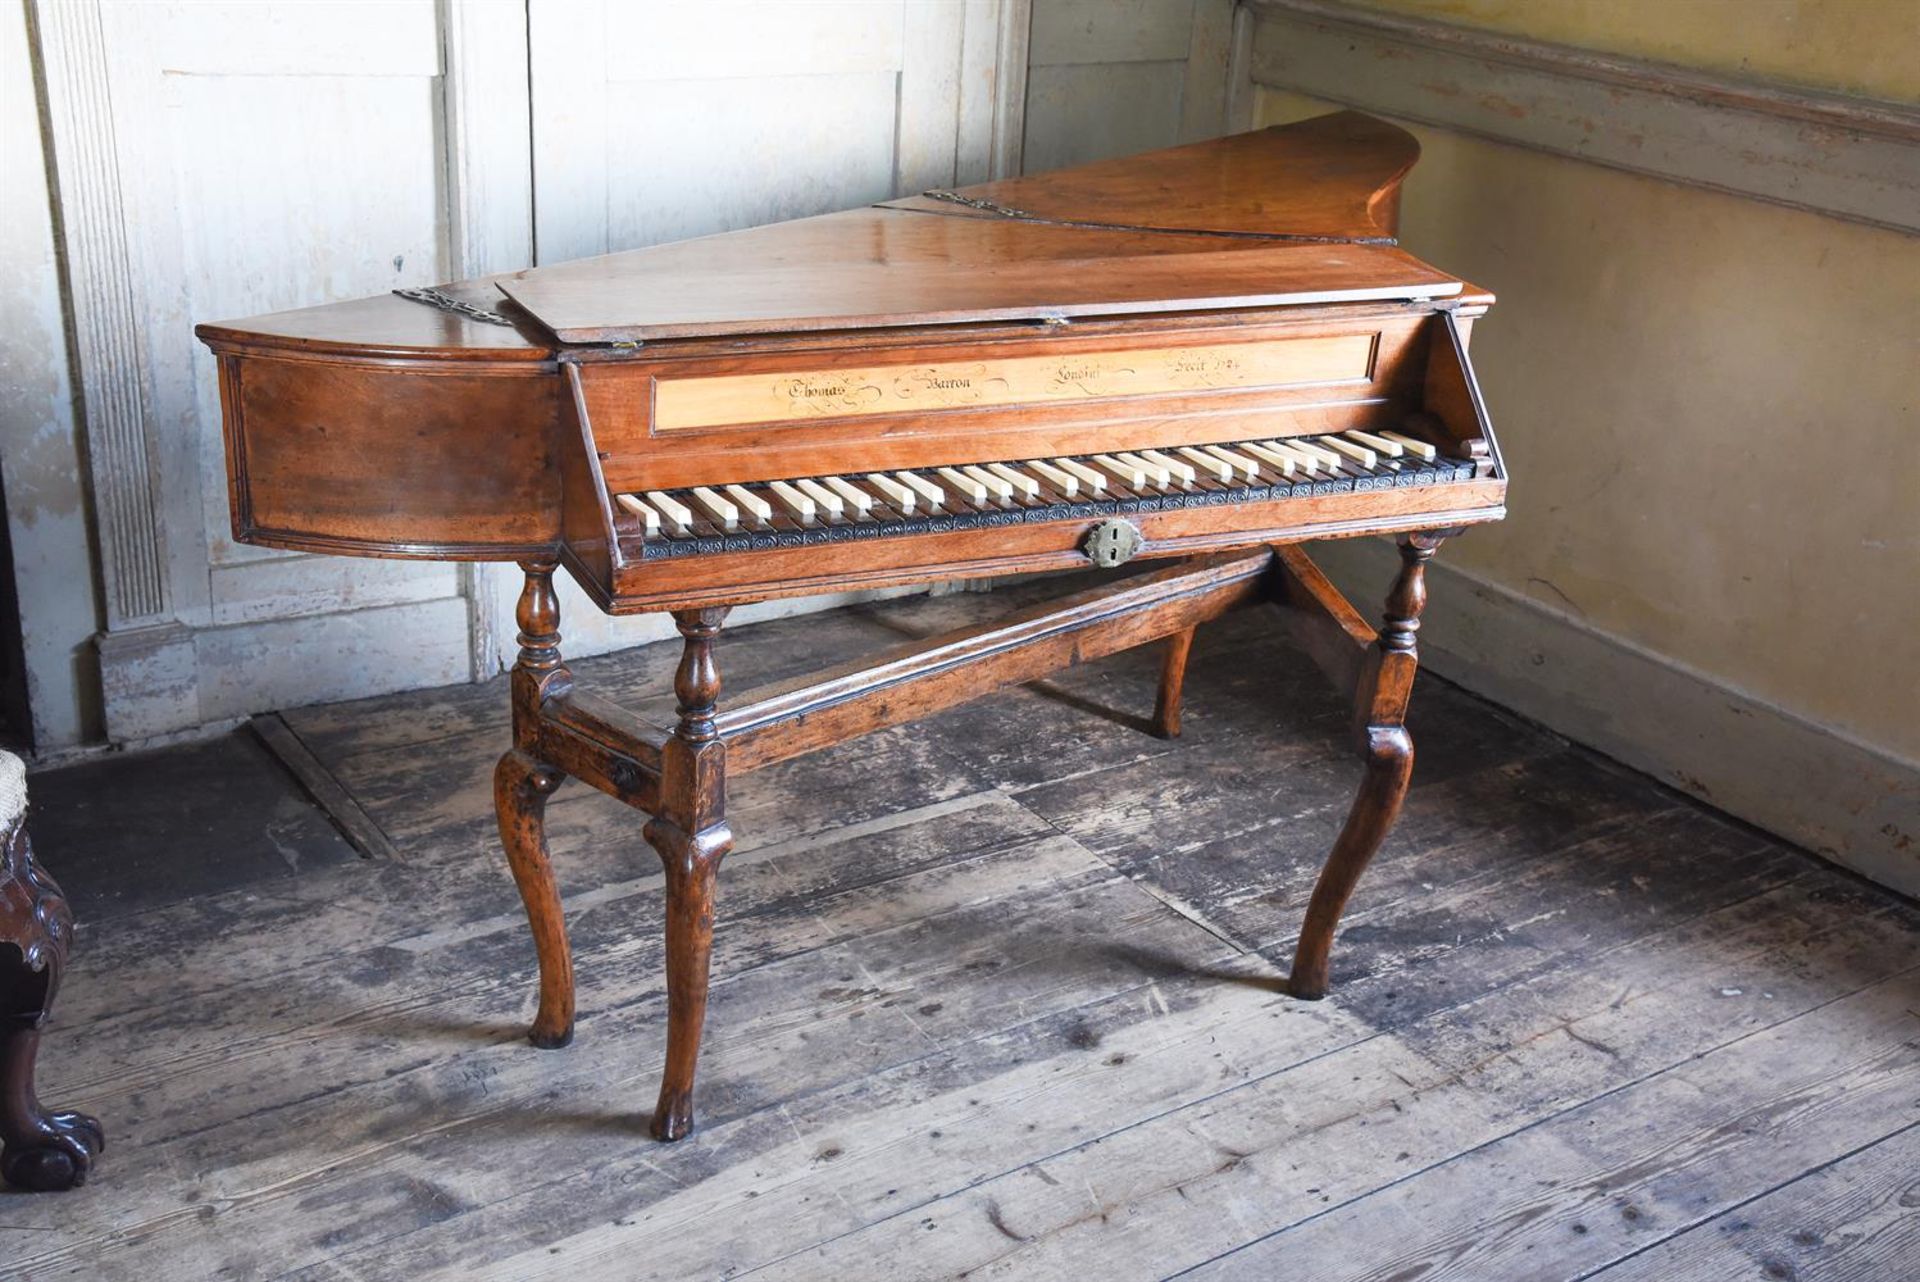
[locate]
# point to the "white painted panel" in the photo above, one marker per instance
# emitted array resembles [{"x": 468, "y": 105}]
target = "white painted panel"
[
  {"x": 928, "y": 128},
  {"x": 275, "y": 213},
  {"x": 1077, "y": 32},
  {"x": 654, "y": 122},
  {"x": 1081, "y": 113},
  {"x": 292, "y": 585},
  {"x": 1204, "y": 100},
  {"x": 748, "y": 39},
  {"x": 567, "y": 83},
  {"x": 488, "y": 140},
  {"x": 1112, "y": 77},
  {"x": 268, "y": 155},
  {"x": 657, "y": 121},
  {"x": 993, "y": 89},
  {"x": 291, "y": 37},
  {"x": 351, "y": 654},
  {"x": 731, "y": 153}
]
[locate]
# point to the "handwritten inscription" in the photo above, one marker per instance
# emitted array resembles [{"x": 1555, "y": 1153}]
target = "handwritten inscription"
[
  {"x": 1206, "y": 369},
  {"x": 731, "y": 399},
  {"x": 815, "y": 395},
  {"x": 948, "y": 385}
]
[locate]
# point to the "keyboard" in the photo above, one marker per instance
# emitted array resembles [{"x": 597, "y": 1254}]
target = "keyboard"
[{"x": 811, "y": 510}]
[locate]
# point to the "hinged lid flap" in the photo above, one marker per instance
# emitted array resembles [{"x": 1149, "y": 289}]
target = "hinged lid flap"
[{"x": 1293, "y": 215}]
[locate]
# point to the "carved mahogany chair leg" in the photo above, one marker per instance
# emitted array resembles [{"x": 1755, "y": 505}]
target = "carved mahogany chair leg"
[
  {"x": 39, "y": 1150},
  {"x": 690, "y": 833},
  {"x": 1386, "y": 751},
  {"x": 521, "y": 785},
  {"x": 1173, "y": 676}
]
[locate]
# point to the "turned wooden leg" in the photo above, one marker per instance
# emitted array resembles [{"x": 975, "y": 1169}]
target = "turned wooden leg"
[
  {"x": 1386, "y": 752},
  {"x": 521, "y": 785},
  {"x": 40, "y": 1150},
  {"x": 691, "y": 835},
  {"x": 1173, "y": 676}
]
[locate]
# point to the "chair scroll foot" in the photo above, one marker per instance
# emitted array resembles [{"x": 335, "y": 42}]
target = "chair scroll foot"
[{"x": 40, "y": 1150}]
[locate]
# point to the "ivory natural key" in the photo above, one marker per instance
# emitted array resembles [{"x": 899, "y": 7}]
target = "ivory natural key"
[{"x": 1200, "y": 358}]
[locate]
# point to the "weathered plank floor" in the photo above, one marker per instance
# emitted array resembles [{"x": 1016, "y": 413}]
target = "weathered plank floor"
[{"x": 996, "y": 997}]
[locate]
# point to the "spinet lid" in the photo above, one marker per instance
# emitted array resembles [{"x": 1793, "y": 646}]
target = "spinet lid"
[
  {"x": 1333, "y": 177},
  {"x": 1290, "y": 215}
]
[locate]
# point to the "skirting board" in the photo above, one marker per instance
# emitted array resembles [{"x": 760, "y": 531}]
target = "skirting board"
[{"x": 1805, "y": 782}]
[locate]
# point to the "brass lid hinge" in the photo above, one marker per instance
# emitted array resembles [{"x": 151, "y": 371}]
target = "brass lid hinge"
[
  {"x": 975, "y": 202},
  {"x": 448, "y": 303}
]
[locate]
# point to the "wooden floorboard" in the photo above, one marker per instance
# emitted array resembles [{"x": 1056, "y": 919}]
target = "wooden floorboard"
[
  {"x": 1563, "y": 1197},
  {"x": 998, "y": 994},
  {"x": 1855, "y": 1218}
]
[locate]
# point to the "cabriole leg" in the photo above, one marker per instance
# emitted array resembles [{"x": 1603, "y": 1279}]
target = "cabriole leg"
[
  {"x": 521, "y": 785},
  {"x": 1386, "y": 753},
  {"x": 690, "y": 834}
]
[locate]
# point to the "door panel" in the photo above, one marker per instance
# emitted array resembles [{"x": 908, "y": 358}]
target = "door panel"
[
  {"x": 346, "y": 210},
  {"x": 737, "y": 169},
  {"x": 1113, "y": 77},
  {"x": 658, "y": 121}
]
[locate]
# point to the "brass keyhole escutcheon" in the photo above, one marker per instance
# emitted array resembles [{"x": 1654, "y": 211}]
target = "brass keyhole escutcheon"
[{"x": 1112, "y": 542}]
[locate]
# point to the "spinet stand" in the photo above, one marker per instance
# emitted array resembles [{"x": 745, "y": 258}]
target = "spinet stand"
[{"x": 678, "y": 775}]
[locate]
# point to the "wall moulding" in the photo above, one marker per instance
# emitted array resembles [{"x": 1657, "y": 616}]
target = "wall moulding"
[
  {"x": 1851, "y": 158},
  {"x": 106, "y": 308}
]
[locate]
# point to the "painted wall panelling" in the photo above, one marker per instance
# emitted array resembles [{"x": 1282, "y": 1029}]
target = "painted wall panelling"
[
  {"x": 1111, "y": 77},
  {"x": 220, "y": 159},
  {"x": 1862, "y": 47},
  {"x": 225, "y": 159},
  {"x": 48, "y": 513},
  {"x": 489, "y": 185},
  {"x": 1852, "y": 158}
]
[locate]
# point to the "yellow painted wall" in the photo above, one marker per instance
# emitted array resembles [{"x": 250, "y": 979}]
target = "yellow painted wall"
[
  {"x": 1869, "y": 47},
  {"x": 1709, "y": 407}
]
